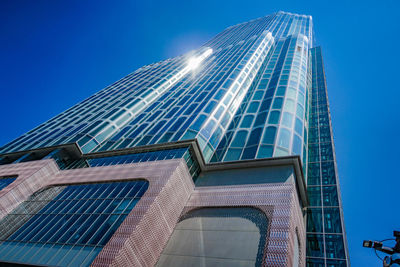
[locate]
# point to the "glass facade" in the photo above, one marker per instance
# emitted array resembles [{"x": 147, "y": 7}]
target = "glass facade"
[
  {"x": 67, "y": 225},
  {"x": 271, "y": 118},
  {"x": 5, "y": 181},
  {"x": 158, "y": 155},
  {"x": 166, "y": 102},
  {"x": 325, "y": 229},
  {"x": 256, "y": 90}
]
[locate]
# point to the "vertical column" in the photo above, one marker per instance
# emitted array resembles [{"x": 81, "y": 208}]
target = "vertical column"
[{"x": 326, "y": 241}]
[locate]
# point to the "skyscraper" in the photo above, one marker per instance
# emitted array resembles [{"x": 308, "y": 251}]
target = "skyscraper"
[{"x": 221, "y": 156}]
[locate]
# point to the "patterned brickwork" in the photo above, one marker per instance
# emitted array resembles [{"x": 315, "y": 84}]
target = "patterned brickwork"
[
  {"x": 141, "y": 238},
  {"x": 297, "y": 227},
  {"x": 32, "y": 176},
  {"x": 279, "y": 203}
]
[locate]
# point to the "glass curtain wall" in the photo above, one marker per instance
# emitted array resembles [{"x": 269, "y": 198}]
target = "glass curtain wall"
[
  {"x": 325, "y": 229},
  {"x": 67, "y": 225}
]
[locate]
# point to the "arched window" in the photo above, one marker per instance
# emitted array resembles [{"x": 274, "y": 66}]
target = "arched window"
[{"x": 217, "y": 237}]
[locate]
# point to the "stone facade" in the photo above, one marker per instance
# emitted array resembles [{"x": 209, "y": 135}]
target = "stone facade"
[{"x": 141, "y": 238}]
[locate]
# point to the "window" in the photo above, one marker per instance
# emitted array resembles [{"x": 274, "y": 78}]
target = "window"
[
  {"x": 332, "y": 220},
  {"x": 313, "y": 175},
  {"x": 289, "y": 105},
  {"x": 326, "y": 152},
  {"x": 240, "y": 139},
  {"x": 67, "y": 225},
  {"x": 281, "y": 91},
  {"x": 298, "y": 126},
  {"x": 297, "y": 145},
  {"x": 269, "y": 135},
  {"x": 330, "y": 196},
  {"x": 233, "y": 154},
  {"x": 315, "y": 245},
  {"x": 260, "y": 120},
  {"x": 274, "y": 117},
  {"x": 314, "y": 220},
  {"x": 287, "y": 119},
  {"x": 334, "y": 246},
  {"x": 284, "y": 138},
  {"x": 314, "y": 195},
  {"x": 265, "y": 151},
  {"x": 253, "y": 107},
  {"x": 217, "y": 237},
  {"x": 328, "y": 173},
  {"x": 254, "y": 138},
  {"x": 316, "y": 262},
  {"x": 313, "y": 152},
  {"x": 5, "y": 181},
  {"x": 247, "y": 121},
  {"x": 277, "y": 103}
]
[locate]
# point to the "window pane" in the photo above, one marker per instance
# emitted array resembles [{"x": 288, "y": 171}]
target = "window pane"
[
  {"x": 5, "y": 181},
  {"x": 314, "y": 195},
  {"x": 254, "y": 138},
  {"x": 336, "y": 263},
  {"x": 334, "y": 246},
  {"x": 284, "y": 138},
  {"x": 265, "y": 152},
  {"x": 247, "y": 121},
  {"x": 315, "y": 262},
  {"x": 315, "y": 245},
  {"x": 277, "y": 103},
  {"x": 332, "y": 220},
  {"x": 313, "y": 174},
  {"x": 269, "y": 135},
  {"x": 330, "y": 196},
  {"x": 274, "y": 117},
  {"x": 328, "y": 173},
  {"x": 314, "y": 220},
  {"x": 287, "y": 119},
  {"x": 240, "y": 139}
]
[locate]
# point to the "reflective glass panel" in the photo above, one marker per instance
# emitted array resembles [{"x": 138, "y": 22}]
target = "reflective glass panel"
[
  {"x": 5, "y": 181},
  {"x": 314, "y": 195},
  {"x": 315, "y": 245},
  {"x": 314, "y": 220},
  {"x": 330, "y": 196},
  {"x": 61, "y": 223},
  {"x": 334, "y": 246},
  {"x": 332, "y": 220}
]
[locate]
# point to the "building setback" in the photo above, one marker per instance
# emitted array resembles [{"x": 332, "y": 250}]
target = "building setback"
[{"x": 222, "y": 156}]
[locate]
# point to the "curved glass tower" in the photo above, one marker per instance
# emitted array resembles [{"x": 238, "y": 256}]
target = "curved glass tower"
[
  {"x": 255, "y": 91},
  {"x": 249, "y": 83}
]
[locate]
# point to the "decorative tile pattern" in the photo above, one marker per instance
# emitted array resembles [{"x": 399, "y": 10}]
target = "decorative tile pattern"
[
  {"x": 32, "y": 176},
  {"x": 141, "y": 238},
  {"x": 149, "y": 224},
  {"x": 280, "y": 204}
]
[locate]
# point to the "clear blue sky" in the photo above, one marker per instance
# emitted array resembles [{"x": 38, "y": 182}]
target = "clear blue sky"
[{"x": 54, "y": 54}]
